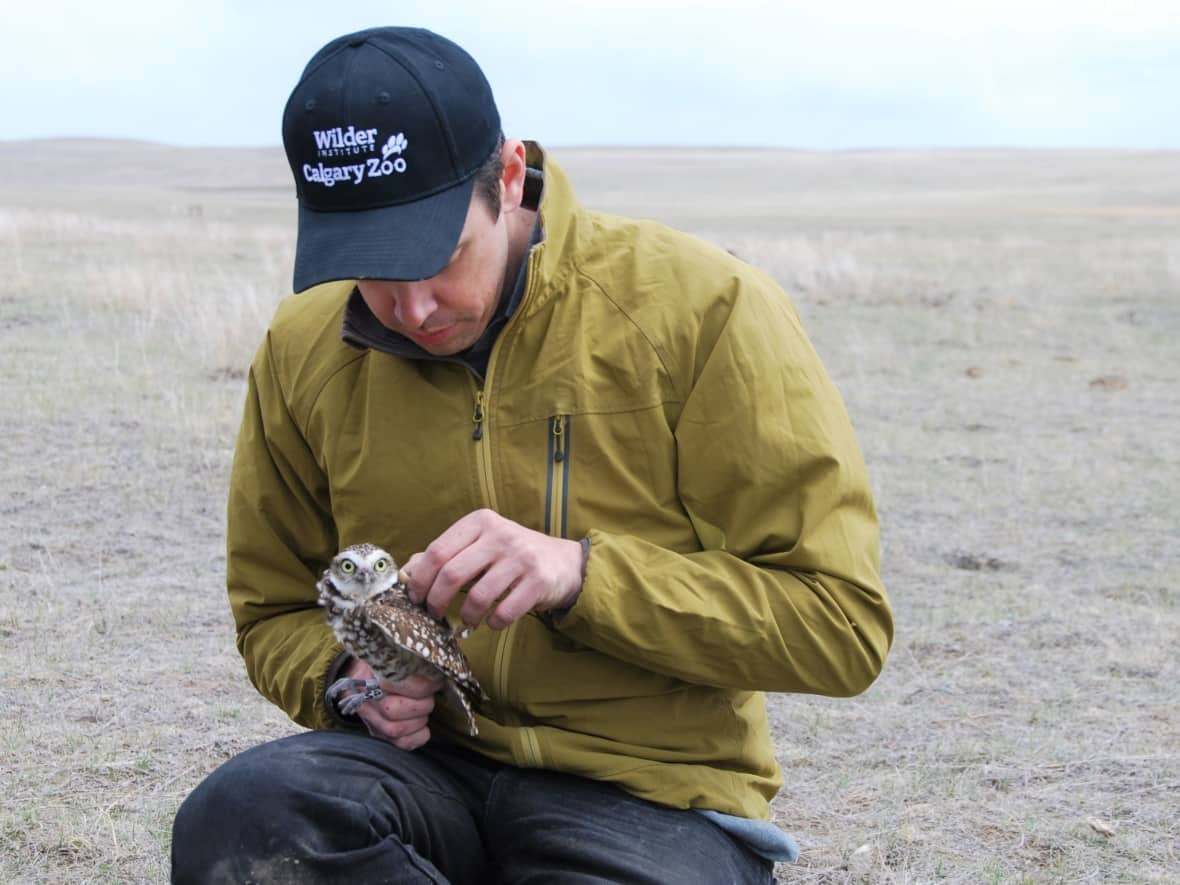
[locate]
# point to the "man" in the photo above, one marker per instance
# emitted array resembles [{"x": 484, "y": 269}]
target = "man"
[{"x": 618, "y": 458}]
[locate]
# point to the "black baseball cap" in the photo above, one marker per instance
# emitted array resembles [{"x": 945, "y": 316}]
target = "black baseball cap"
[{"x": 384, "y": 134}]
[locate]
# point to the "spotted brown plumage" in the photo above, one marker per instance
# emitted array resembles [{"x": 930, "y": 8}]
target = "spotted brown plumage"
[{"x": 374, "y": 618}]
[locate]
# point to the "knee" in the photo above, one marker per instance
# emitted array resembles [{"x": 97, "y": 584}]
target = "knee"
[
  {"x": 252, "y": 805},
  {"x": 240, "y": 789}
]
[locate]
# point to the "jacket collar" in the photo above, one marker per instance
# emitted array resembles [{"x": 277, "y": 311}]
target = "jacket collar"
[{"x": 565, "y": 226}]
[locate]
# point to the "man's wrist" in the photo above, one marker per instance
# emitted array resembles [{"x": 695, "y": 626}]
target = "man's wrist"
[{"x": 551, "y": 616}]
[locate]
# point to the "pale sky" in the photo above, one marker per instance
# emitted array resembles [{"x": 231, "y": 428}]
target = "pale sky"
[{"x": 822, "y": 74}]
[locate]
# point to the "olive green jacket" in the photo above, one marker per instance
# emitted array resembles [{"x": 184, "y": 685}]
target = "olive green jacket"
[{"x": 651, "y": 392}]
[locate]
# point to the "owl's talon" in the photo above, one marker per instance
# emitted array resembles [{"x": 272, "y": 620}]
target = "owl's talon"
[
  {"x": 341, "y": 685},
  {"x": 349, "y": 705}
]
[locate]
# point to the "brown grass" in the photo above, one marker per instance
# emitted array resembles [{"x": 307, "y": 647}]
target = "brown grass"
[{"x": 1003, "y": 326}]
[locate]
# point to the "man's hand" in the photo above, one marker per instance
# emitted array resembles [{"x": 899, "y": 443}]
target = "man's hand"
[
  {"x": 515, "y": 570},
  {"x": 402, "y": 716}
]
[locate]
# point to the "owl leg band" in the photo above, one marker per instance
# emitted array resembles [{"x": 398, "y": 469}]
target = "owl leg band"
[{"x": 349, "y": 705}]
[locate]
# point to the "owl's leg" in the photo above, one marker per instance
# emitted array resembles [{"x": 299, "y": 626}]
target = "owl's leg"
[{"x": 349, "y": 706}]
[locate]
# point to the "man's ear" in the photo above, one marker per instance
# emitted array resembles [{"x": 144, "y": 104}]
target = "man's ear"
[{"x": 513, "y": 177}]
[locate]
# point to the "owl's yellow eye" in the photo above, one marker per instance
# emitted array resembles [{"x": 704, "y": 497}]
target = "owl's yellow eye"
[
  {"x": 348, "y": 566},
  {"x": 381, "y": 565}
]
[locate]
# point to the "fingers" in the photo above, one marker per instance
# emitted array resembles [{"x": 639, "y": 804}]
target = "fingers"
[
  {"x": 413, "y": 741},
  {"x": 406, "y": 734},
  {"x": 395, "y": 709},
  {"x": 404, "y": 722},
  {"x": 511, "y": 570},
  {"x": 419, "y": 687},
  {"x": 471, "y": 564},
  {"x": 518, "y": 603},
  {"x": 402, "y": 717},
  {"x": 422, "y": 569},
  {"x": 504, "y": 577}
]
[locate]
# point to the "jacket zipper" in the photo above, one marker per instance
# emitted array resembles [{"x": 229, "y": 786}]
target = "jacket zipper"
[
  {"x": 526, "y": 747},
  {"x": 477, "y": 416}
]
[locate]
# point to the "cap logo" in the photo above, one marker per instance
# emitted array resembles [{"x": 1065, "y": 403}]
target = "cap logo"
[
  {"x": 337, "y": 141},
  {"x": 341, "y": 141}
]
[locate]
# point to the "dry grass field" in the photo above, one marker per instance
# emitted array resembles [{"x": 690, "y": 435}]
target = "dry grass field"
[{"x": 1005, "y": 328}]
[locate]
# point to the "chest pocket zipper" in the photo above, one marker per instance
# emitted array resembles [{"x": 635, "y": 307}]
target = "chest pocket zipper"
[{"x": 557, "y": 485}]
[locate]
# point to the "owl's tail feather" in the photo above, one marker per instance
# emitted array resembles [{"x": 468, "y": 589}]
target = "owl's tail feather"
[{"x": 459, "y": 693}]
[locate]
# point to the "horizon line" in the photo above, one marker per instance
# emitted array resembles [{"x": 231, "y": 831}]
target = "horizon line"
[{"x": 641, "y": 146}]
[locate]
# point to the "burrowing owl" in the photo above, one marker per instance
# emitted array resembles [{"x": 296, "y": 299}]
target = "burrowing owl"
[{"x": 375, "y": 619}]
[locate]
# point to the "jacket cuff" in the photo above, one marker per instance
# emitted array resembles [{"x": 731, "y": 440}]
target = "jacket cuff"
[{"x": 552, "y": 616}]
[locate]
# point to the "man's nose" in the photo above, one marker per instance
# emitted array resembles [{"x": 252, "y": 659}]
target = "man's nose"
[{"x": 413, "y": 303}]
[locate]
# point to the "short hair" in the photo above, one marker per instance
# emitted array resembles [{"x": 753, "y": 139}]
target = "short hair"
[{"x": 487, "y": 179}]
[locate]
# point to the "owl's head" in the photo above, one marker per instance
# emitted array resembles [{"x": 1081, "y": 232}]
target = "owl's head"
[{"x": 361, "y": 570}]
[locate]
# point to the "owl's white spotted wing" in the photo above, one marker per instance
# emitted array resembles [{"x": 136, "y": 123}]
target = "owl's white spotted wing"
[{"x": 413, "y": 628}]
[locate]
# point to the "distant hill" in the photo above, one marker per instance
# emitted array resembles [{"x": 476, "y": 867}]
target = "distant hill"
[{"x": 101, "y": 162}]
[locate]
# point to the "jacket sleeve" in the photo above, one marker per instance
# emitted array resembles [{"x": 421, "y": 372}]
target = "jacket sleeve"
[
  {"x": 279, "y": 535},
  {"x": 786, "y": 594}
]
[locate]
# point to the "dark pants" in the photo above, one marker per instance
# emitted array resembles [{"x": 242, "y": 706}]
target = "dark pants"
[{"x": 344, "y": 807}]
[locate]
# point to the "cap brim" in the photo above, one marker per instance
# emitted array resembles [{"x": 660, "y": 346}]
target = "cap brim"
[{"x": 410, "y": 241}]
